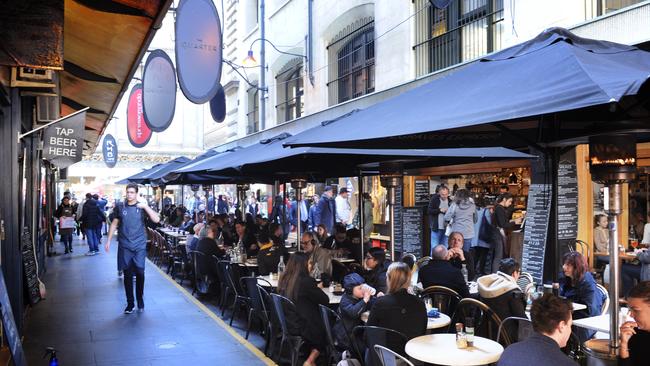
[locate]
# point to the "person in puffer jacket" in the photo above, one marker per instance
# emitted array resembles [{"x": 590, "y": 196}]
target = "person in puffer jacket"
[
  {"x": 356, "y": 300},
  {"x": 502, "y": 294}
]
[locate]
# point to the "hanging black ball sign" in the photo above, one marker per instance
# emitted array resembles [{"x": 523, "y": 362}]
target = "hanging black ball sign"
[
  {"x": 159, "y": 91},
  {"x": 218, "y": 105},
  {"x": 198, "y": 49}
]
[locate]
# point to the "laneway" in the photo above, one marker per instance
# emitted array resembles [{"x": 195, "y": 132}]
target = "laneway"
[{"x": 82, "y": 318}]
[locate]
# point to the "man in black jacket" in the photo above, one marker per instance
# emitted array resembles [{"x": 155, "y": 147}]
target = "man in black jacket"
[
  {"x": 635, "y": 335},
  {"x": 440, "y": 272},
  {"x": 438, "y": 205}
]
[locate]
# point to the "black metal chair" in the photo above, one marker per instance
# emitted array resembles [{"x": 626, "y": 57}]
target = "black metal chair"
[
  {"x": 280, "y": 304},
  {"x": 371, "y": 336},
  {"x": 339, "y": 270},
  {"x": 273, "y": 324},
  {"x": 486, "y": 321},
  {"x": 443, "y": 298},
  {"x": 333, "y": 350},
  {"x": 517, "y": 329},
  {"x": 203, "y": 277},
  {"x": 224, "y": 287},
  {"x": 257, "y": 310},
  {"x": 233, "y": 275},
  {"x": 388, "y": 357}
]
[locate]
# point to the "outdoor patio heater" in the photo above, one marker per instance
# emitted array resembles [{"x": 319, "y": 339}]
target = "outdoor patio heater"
[
  {"x": 242, "y": 188},
  {"x": 298, "y": 184},
  {"x": 612, "y": 161},
  {"x": 391, "y": 179}
]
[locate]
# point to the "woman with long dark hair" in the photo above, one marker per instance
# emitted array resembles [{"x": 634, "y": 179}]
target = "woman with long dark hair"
[
  {"x": 502, "y": 213},
  {"x": 296, "y": 284},
  {"x": 578, "y": 285}
]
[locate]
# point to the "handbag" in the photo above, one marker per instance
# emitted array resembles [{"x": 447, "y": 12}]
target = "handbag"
[
  {"x": 67, "y": 222},
  {"x": 448, "y": 229}
]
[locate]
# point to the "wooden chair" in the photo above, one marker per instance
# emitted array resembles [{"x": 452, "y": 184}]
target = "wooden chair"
[
  {"x": 486, "y": 321},
  {"x": 517, "y": 329},
  {"x": 443, "y": 298},
  {"x": 371, "y": 336}
]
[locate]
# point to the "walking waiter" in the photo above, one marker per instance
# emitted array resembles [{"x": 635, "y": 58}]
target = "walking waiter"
[{"x": 129, "y": 218}]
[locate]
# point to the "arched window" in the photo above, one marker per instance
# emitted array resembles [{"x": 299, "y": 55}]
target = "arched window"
[
  {"x": 290, "y": 91},
  {"x": 253, "y": 115},
  {"x": 353, "y": 56}
]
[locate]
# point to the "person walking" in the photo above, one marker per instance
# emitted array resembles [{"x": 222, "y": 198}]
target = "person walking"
[
  {"x": 436, "y": 210},
  {"x": 67, "y": 225},
  {"x": 128, "y": 218},
  {"x": 462, "y": 216},
  {"x": 92, "y": 218},
  {"x": 326, "y": 210},
  {"x": 343, "y": 208}
]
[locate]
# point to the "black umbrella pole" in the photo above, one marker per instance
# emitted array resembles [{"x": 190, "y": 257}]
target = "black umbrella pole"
[
  {"x": 391, "y": 212},
  {"x": 614, "y": 266},
  {"x": 362, "y": 219}
]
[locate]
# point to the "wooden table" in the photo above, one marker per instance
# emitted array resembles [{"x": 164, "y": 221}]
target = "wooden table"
[
  {"x": 624, "y": 256},
  {"x": 334, "y": 299},
  {"x": 598, "y": 323},
  {"x": 432, "y": 323},
  {"x": 440, "y": 349}
]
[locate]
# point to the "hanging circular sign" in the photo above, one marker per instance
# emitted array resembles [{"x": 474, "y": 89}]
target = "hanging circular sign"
[
  {"x": 109, "y": 150},
  {"x": 198, "y": 49},
  {"x": 158, "y": 91},
  {"x": 218, "y": 105},
  {"x": 136, "y": 127}
]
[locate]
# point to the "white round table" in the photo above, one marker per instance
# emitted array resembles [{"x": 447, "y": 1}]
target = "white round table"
[
  {"x": 432, "y": 323},
  {"x": 441, "y": 349}
]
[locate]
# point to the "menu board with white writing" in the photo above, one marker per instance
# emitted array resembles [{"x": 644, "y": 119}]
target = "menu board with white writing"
[
  {"x": 412, "y": 234},
  {"x": 398, "y": 221},
  {"x": 536, "y": 230},
  {"x": 567, "y": 225},
  {"x": 422, "y": 194}
]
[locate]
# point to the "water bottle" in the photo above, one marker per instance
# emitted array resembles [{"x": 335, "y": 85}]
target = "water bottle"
[
  {"x": 242, "y": 254},
  {"x": 281, "y": 266},
  {"x": 464, "y": 272},
  {"x": 316, "y": 272}
]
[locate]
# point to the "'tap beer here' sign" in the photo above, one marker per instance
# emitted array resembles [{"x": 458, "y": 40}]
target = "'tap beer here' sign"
[{"x": 63, "y": 141}]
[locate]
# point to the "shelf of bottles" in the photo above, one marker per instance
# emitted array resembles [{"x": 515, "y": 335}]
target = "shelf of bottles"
[{"x": 486, "y": 187}]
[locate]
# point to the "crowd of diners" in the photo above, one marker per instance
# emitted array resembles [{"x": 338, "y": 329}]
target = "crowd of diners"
[{"x": 386, "y": 290}]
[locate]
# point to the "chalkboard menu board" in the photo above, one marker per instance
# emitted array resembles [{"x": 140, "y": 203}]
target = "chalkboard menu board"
[
  {"x": 422, "y": 194},
  {"x": 9, "y": 330},
  {"x": 397, "y": 245},
  {"x": 412, "y": 226},
  {"x": 29, "y": 268},
  {"x": 567, "y": 225},
  {"x": 536, "y": 229}
]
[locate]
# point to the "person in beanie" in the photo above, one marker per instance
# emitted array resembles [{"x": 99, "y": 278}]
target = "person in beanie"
[
  {"x": 376, "y": 267},
  {"x": 129, "y": 218},
  {"x": 356, "y": 300},
  {"x": 65, "y": 211}
]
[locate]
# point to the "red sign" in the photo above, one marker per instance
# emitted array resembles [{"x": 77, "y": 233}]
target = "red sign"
[{"x": 137, "y": 130}]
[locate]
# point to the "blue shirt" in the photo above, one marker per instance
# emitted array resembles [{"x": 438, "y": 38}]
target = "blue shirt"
[
  {"x": 536, "y": 350},
  {"x": 132, "y": 233}
]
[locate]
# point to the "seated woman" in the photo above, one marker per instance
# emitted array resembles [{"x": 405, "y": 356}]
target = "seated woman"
[
  {"x": 376, "y": 267},
  {"x": 399, "y": 310},
  {"x": 296, "y": 284},
  {"x": 356, "y": 300},
  {"x": 635, "y": 335},
  {"x": 601, "y": 238},
  {"x": 578, "y": 285},
  {"x": 269, "y": 255}
]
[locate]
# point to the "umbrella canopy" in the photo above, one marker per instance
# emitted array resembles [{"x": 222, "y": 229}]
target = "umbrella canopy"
[
  {"x": 179, "y": 178},
  {"x": 579, "y": 86},
  {"x": 270, "y": 159},
  {"x": 156, "y": 172}
]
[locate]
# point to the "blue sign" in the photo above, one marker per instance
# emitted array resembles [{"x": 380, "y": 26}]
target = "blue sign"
[
  {"x": 198, "y": 49},
  {"x": 109, "y": 150},
  {"x": 218, "y": 105}
]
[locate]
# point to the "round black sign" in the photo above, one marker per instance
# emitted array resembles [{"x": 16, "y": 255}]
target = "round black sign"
[
  {"x": 198, "y": 49},
  {"x": 159, "y": 91},
  {"x": 218, "y": 105},
  {"x": 109, "y": 150}
]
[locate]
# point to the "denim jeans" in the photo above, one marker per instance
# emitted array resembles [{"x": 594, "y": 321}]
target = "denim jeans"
[
  {"x": 66, "y": 238},
  {"x": 91, "y": 239},
  {"x": 437, "y": 237}
]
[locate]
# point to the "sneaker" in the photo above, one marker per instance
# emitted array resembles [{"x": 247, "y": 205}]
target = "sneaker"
[
  {"x": 140, "y": 308},
  {"x": 89, "y": 253},
  {"x": 129, "y": 309},
  {"x": 96, "y": 252},
  {"x": 119, "y": 273}
]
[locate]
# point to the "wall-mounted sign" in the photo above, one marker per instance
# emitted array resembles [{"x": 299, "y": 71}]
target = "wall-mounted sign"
[
  {"x": 158, "y": 91},
  {"x": 64, "y": 140},
  {"x": 198, "y": 49},
  {"x": 109, "y": 151},
  {"x": 218, "y": 105},
  {"x": 136, "y": 127}
]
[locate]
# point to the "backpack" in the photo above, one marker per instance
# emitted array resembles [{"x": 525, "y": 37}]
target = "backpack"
[
  {"x": 488, "y": 232},
  {"x": 117, "y": 212}
]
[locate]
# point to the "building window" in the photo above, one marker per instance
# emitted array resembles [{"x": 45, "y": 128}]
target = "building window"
[
  {"x": 352, "y": 65},
  {"x": 608, "y": 6},
  {"x": 253, "y": 115},
  {"x": 290, "y": 90},
  {"x": 463, "y": 31}
]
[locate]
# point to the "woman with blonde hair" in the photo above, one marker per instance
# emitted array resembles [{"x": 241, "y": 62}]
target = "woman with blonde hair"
[{"x": 399, "y": 310}]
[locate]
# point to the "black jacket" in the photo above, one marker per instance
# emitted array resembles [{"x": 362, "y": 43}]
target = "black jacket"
[
  {"x": 402, "y": 312},
  {"x": 350, "y": 310},
  {"x": 306, "y": 321},
  {"x": 268, "y": 258},
  {"x": 377, "y": 277},
  {"x": 536, "y": 350},
  {"x": 433, "y": 210},
  {"x": 639, "y": 350},
  {"x": 443, "y": 273},
  {"x": 208, "y": 247},
  {"x": 469, "y": 263},
  {"x": 92, "y": 216}
]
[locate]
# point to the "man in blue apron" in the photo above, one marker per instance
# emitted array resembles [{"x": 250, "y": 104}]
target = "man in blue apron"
[{"x": 128, "y": 218}]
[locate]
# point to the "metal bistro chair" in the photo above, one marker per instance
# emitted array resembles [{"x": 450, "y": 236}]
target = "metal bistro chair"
[
  {"x": 443, "y": 298},
  {"x": 224, "y": 286},
  {"x": 334, "y": 350},
  {"x": 280, "y": 303},
  {"x": 272, "y": 324},
  {"x": 517, "y": 329},
  {"x": 203, "y": 279},
  {"x": 371, "y": 336},
  {"x": 391, "y": 358},
  {"x": 525, "y": 278},
  {"x": 605, "y": 307},
  {"x": 233, "y": 275},
  {"x": 486, "y": 321},
  {"x": 250, "y": 286}
]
